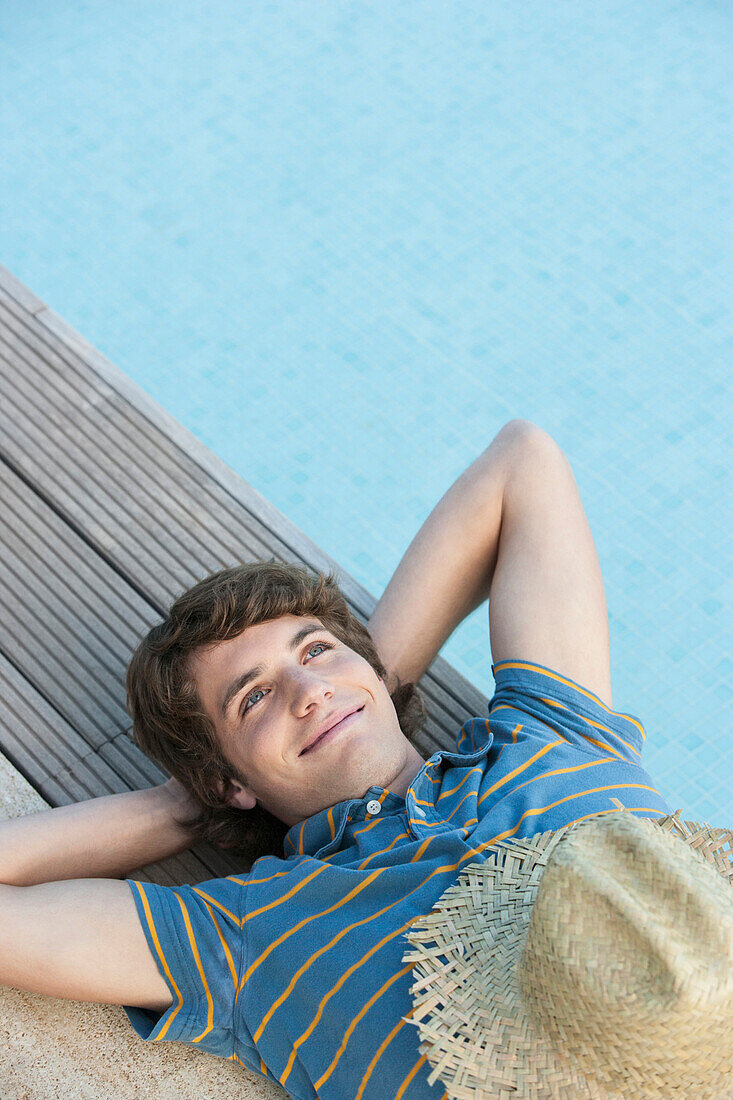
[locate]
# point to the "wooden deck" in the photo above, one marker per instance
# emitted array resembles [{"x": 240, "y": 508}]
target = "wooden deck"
[{"x": 111, "y": 509}]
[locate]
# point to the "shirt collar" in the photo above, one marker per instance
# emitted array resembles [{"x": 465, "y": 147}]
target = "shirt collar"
[{"x": 320, "y": 835}]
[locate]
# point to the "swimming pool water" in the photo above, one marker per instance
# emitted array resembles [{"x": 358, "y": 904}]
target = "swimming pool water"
[{"x": 344, "y": 244}]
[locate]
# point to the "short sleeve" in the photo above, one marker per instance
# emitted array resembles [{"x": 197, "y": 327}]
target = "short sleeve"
[
  {"x": 552, "y": 705},
  {"x": 195, "y": 936}
]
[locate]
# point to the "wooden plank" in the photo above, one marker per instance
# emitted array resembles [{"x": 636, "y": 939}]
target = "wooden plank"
[
  {"x": 63, "y": 621},
  {"x": 58, "y": 602},
  {"x": 126, "y": 760},
  {"x": 22, "y": 294},
  {"x": 160, "y": 422},
  {"x": 92, "y": 777},
  {"x": 69, "y": 623},
  {"x": 62, "y": 425},
  {"x": 143, "y": 494},
  {"x": 56, "y": 760},
  {"x": 188, "y": 527},
  {"x": 38, "y": 741}
]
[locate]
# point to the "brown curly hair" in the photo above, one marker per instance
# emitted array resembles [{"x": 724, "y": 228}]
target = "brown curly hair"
[{"x": 169, "y": 721}]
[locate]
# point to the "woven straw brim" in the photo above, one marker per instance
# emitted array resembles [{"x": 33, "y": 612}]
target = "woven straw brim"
[{"x": 472, "y": 1019}]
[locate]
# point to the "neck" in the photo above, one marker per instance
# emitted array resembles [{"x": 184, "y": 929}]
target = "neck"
[{"x": 412, "y": 765}]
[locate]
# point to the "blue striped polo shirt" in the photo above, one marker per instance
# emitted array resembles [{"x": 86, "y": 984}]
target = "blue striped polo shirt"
[{"x": 294, "y": 969}]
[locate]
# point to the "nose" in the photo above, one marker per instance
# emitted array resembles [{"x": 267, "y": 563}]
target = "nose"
[{"x": 308, "y": 688}]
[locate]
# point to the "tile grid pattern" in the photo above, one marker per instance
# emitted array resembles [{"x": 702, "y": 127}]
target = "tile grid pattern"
[{"x": 343, "y": 246}]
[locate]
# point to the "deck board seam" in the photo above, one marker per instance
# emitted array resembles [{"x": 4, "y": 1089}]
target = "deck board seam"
[
  {"x": 180, "y": 451},
  {"x": 81, "y": 534}
]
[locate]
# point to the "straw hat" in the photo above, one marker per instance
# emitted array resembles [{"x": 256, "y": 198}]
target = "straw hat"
[{"x": 590, "y": 963}]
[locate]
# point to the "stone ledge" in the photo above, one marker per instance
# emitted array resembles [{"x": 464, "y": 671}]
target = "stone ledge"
[{"x": 54, "y": 1049}]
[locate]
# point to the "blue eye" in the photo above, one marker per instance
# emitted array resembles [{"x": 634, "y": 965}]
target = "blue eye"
[
  {"x": 258, "y": 691},
  {"x": 249, "y": 699}
]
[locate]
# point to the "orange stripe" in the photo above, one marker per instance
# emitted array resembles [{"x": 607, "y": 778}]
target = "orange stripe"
[
  {"x": 410, "y": 1076},
  {"x": 200, "y": 968},
  {"x": 301, "y": 924},
  {"x": 300, "y": 839},
  {"x": 454, "y": 789},
  {"x": 161, "y": 956},
  {"x": 423, "y": 802},
  {"x": 542, "y": 722},
  {"x": 568, "y": 798},
  {"x": 376, "y": 821},
  {"x": 573, "y": 684},
  {"x": 217, "y": 904},
  {"x": 253, "y": 881},
  {"x": 512, "y": 742},
  {"x": 225, "y": 945},
  {"x": 566, "y": 771},
  {"x": 362, "y": 1013},
  {"x": 356, "y": 832},
  {"x": 442, "y": 820},
  {"x": 598, "y": 725},
  {"x": 425, "y": 824},
  {"x": 519, "y": 769},
  {"x": 419, "y": 853},
  {"x": 445, "y": 820},
  {"x": 333, "y": 855},
  {"x": 322, "y": 951},
  {"x": 380, "y": 1051},
  {"x": 471, "y": 794},
  {"x": 285, "y": 897},
  {"x": 380, "y": 852}
]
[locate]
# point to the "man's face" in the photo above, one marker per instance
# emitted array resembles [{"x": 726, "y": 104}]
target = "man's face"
[{"x": 268, "y": 727}]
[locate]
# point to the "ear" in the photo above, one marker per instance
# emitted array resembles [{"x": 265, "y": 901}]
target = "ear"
[{"x": 242, "y": 799}]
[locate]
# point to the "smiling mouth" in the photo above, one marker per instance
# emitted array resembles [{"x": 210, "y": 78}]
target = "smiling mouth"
[{"x": 334, "y": 729}]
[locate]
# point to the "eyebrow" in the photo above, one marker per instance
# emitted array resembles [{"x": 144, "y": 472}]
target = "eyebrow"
[{"x": 241, "y": 681}]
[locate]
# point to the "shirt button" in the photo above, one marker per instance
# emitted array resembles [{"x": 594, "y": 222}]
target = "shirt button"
[{"x": 373, "y": 807}]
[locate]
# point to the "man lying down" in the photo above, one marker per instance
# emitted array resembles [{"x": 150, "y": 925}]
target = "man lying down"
[{"x": 287, "y": 728}]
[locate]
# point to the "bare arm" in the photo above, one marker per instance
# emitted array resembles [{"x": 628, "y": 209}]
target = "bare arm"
[
  {"x": 512, "y": 529},
  {"x": 447, "y": 569},
  {"x": 104, "y": 837},
  {"x": 82, "y": 940}
]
